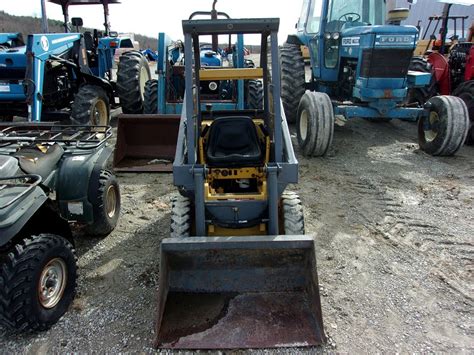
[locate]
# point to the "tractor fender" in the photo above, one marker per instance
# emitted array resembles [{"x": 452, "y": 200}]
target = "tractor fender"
[
  {"x": 76, "y": 180},
  {"x": 95, "y": 80},
  {"x": 16, "y": 216},
  {"x": 293, "y": 39}
]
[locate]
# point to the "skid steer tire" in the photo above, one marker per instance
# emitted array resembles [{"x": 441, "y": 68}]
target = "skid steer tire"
[
  {"x": 133, "y": 72},
  {"x": 292, "y": 79},
  {"x": 465, "y": 91},
  {"x": 37, "y": 282},
  {"x": 91, "y": 106},
  {"x": 106, "y": 206},
  {"x": 292, "y": 214},
  {"x": 150, "y": 105},
  {"x": 315, "y": 124},
  {"x": 445, "y": 129},
  {"x": 254, "y": 95},
  {"x": 421, "y": 95},
  {"x": 181, "y": 217}
]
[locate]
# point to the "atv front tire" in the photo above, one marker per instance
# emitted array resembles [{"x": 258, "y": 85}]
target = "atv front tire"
[{"x": 37, "y": 282}]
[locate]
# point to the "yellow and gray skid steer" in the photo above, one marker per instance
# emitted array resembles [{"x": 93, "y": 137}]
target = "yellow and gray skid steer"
[{"x": 237, "y": 270}]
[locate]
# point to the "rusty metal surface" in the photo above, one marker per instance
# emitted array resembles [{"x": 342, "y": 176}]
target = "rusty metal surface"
[
  {"x": 238, "y": 292},
  {"x": 146, "y": 143}
]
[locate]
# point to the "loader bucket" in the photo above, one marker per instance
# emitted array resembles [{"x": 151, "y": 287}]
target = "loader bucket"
[
  {"x": 238, "y": 292},
  {"x": 146, "y": 143}
]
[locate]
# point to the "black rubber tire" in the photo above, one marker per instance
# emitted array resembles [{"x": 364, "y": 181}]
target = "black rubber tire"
[
  {"x": 254, "y": 94},
  {"x": 292, "y": 214},
  {"x": 292, "y": 79},
  {"x": 150, "y": 105},
  {"x": 20, "y": 273},
  {"x": 315, "y": 124},
  {"x": 421, "y": 95},
  {"x": 181, "y": 217},
  {"x": 86, "y": 101},
  {"x": 131, "y": 66},
  {"x": 105, "y": 222},
  {"x": 465, "y": 91},
  {"x": 451, "y": 128}
]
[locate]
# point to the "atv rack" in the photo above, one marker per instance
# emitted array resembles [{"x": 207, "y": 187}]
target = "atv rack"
[
  {"x": 17, "y": 187},
  {"x": 80, "y": 136}
]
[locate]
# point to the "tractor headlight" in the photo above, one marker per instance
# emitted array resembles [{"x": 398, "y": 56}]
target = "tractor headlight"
[
  {"x": 336, "y": 35},
  {"x": 213, "y": 86},
  {"x": 327, "y": 35}
]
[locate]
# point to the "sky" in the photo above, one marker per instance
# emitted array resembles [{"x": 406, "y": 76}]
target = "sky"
[{"x": 148, "y": 17}]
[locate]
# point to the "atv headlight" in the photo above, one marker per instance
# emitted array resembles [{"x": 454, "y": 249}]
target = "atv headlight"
[{"x": 336, "y": 35}]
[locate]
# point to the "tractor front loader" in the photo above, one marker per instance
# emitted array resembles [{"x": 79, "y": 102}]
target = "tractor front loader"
[{"x": 237, "y": 270}]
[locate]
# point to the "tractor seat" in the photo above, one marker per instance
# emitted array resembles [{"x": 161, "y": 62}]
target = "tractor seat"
[
  {"x": 233, "y": 142},
  {"x": 88, "y": 41},
  {"x": 34, "y": 161}
]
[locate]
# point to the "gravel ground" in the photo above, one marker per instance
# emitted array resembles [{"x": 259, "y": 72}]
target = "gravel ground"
[{"x": 394, "y": 234}]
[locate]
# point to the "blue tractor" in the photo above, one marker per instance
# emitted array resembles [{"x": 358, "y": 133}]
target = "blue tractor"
[
  {"x": 165, "y": 94},
  {"x": 54, "y": 72},
  {"x": 360, "y": 68}
]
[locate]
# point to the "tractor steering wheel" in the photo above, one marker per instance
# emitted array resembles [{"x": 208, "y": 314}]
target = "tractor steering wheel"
[{"x": 350, "y": 19}]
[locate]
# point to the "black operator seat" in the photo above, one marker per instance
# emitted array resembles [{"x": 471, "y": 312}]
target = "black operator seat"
[
  {"x": 233, "y": 142},
  {"x": 89, "y": 41}
]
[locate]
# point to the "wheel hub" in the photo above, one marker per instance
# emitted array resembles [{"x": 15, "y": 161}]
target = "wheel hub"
[
  {"x": 432, "y": 128},
  {"x": 99, "y": 114},
  {"x": 111, "y": 196},
  {"x": 52, "y": 283},
  {"x": 304, "y": 124}
]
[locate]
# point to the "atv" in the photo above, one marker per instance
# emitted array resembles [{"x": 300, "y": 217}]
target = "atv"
[{"x": 51, "y": 178}]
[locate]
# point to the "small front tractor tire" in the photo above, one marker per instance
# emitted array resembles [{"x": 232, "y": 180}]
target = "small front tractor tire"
[
  {"x": 106, "y": 206},
  {"x": 443, "y": 131},
  {"x": 465, "y": 91},
  {"x": 91, "y": 106},
  {"x": 254, "y": 95},
  {"x": 292, "y": 214},
  {"x": 292, "y": 79},
  {"x": 37, "y": 282},
  {"x": 315, "y": 124},
  {"x": 150, "y": 105},
  {"x": 133, "y": 72},
  {"x": 181, "y": 217}
]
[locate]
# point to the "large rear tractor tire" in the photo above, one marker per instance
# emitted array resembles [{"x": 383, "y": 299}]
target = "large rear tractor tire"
[
  {"x": 133, "y": 72},
  {"x": 292, "y": 79},
  {"x": 106, "y": 205},
  {"x": 465, "y": 91},
  {"x": 443, "y": 131},
  {"x": 91, "y": 106},
  {"x": 150, "y": 105},
  {"x": 254, "y": 95},
  {"x": 181, "y": 217},
  {"x": 37, "y": 282},
  {"x": 291, "y": 214},
  {"x": 421, "y": 95},
  {"x": 315, "y": 124}
]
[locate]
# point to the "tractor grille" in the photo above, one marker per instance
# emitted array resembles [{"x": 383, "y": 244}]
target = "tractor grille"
[
  {"x": 12, "y": 74},
  {"x": 385, "y": 63}
]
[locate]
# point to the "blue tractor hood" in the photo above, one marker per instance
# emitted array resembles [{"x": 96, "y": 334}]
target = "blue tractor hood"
[
  {"x": 13, "y": 58},
  {"x": 383, "y": 29}
]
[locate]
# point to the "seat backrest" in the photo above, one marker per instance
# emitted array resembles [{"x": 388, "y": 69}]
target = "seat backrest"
[{"x": 233, "y": 141}]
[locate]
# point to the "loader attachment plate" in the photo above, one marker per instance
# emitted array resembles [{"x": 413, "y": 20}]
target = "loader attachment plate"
[
  {"x": 239, "y": 292},
  {"x": 146, "y": 143}
]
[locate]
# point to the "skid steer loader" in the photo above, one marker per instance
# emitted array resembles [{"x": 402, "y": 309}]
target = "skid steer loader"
[{"x": 237, "y": 270}]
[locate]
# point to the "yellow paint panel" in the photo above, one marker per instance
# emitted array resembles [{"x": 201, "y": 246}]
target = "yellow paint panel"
[{"x": 231, "y": 74}]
